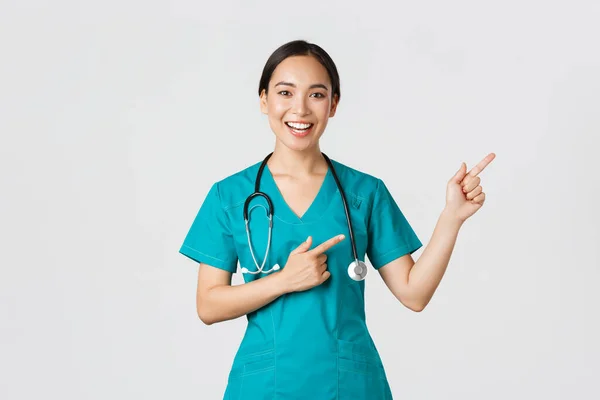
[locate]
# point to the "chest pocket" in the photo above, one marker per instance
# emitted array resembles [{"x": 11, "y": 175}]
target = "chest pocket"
[{"x": 357, "y": 210}]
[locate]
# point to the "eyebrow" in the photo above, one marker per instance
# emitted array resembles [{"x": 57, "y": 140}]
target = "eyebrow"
[{"x": 313, "y": 86}]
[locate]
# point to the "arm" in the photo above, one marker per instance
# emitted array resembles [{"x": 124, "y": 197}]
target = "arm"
[
  {"x": 414, "y": 284},
  {"x": 217, "y": 300}
]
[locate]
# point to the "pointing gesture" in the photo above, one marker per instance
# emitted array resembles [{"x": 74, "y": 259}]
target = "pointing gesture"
[
  {"x": 464, "y": 194},
  {"x": 482, "y": 164},
  {"x": 307, "y": 268},
  {"x": 323, "y": 247}
]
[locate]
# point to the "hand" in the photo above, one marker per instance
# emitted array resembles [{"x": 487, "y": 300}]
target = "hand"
[
  {"x": 464, "y": 194},
  {"x": 308, "y": 268}
]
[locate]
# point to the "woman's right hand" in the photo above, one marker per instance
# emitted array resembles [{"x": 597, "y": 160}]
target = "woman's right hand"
[{"x": 306, "y": 268}]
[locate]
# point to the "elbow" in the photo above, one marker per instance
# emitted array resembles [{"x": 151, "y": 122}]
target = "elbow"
[
  {"x": 209, "y": 310},
  {"x": 206, "y": 317},
  {"x": 206, "y": 320},
  {"x": 204, "y": 313},
  {"x": 414, "y": 300},
  {"x": 210, "y": 315},
  {"x": 416, "y": 306},
  {"x": 420, "y": 305}
]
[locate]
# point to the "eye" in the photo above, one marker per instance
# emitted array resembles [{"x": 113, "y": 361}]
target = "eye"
[
  {"x": 284, "y": 93},
  {"x": 318, "y": 95}
]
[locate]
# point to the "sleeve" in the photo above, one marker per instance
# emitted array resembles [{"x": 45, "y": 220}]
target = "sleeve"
[
  {"x": 390, "y": 236},
  {"x": 209, "y": 239}
]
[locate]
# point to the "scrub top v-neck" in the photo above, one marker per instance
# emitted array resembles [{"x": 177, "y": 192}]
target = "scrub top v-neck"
[
  {"x": 283, "y": 211},
  {"x": 313, "y": 343}
]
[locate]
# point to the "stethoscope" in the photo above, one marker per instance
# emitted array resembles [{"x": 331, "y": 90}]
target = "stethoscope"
[{"x": 357, "y": 270}]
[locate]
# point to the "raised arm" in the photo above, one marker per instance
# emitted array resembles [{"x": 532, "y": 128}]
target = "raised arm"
[{"x": 414, "y": 284}]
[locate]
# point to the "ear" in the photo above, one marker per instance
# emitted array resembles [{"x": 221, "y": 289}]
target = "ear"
[
  {"x": 334, "y": 104},
  {"x": 263, "y": 101}
]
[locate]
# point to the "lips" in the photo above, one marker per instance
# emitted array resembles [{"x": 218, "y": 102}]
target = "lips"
[{"x": 299, "y": 129}]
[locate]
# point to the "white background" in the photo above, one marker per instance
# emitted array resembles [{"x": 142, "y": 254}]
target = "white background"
[{"x": 117, "y": 116}]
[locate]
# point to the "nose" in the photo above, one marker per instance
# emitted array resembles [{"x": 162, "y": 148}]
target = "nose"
[{"x": 300, "y": 106}]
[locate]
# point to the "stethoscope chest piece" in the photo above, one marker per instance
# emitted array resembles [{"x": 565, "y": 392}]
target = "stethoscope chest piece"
[{"x": 357, "y": 270}]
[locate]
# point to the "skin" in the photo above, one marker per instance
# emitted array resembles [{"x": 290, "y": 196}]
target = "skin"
[
  {"x": 299, "y": 91},
  {"x": 299, "y": 168}
]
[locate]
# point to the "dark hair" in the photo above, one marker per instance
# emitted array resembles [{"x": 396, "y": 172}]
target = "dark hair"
[{"x": 299, "y": 48}]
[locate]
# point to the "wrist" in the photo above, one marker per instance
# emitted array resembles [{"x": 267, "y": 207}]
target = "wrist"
[
  {"x": 280, "y": 283},
  {"x": 448, "y": 216}
]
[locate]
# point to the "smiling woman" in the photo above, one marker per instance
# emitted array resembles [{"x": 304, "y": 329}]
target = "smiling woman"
[
  {"x": 299, "y": 91},
  {"x": 307, "y": 335}
]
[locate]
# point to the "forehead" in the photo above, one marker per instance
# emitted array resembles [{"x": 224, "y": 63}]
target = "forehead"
[{"x": 301, "y": 70}]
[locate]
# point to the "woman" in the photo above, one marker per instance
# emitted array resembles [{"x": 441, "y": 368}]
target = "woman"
[{"x": 303, "y": 294}]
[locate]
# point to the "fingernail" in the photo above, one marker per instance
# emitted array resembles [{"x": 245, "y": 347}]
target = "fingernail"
[{"x": 341, "y": 237}]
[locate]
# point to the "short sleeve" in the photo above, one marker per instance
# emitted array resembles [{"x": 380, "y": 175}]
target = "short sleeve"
[
  {"x": 209, "y": 239},
  {"x": 390, "y": 236}
]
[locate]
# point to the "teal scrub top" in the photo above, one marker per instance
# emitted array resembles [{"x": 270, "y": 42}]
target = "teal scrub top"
[{"x": 313, "y": 344}]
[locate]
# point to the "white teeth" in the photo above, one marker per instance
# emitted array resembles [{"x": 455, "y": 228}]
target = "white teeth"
[{"x": 298, "y": 126}]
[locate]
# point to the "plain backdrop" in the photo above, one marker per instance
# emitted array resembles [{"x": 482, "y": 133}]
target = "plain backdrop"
[{"x": 117, "y": 116}]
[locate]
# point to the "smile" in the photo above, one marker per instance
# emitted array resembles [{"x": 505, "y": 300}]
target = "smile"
[{"x": 299, "y": 129}]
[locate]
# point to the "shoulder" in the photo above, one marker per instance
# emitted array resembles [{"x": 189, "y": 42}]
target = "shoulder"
[
  {"x": 360, "y": 183},
  {"x": 235, "y": 187}
]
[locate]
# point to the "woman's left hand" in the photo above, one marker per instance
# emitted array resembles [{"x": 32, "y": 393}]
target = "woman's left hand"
[{"x": 464, "y": 194}]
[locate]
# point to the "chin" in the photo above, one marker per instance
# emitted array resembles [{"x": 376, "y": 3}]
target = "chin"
[{"x": 297, "y": 144}]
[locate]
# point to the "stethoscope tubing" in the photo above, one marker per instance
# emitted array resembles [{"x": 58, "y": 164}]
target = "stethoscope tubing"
[{"x": 270, "y": 212}]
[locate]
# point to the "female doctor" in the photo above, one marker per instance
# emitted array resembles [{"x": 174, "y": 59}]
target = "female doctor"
[{"x": 300, "y": 225}]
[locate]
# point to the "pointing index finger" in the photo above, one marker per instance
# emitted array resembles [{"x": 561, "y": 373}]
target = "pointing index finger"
[
  {"x": 323, "y": 247},
  {"x": 482, "y": 164}
]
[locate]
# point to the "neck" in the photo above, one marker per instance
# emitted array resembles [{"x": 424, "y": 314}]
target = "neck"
[{"x": 291, "y": 162}]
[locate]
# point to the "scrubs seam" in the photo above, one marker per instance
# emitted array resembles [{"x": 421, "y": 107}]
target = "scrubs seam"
[
  {"x": 337, "y": 372},
  {"x": 222, "y": 264},
  {"x": 239, "y": 203},
  {"x": 372, "y": 205},
  {"x": 393, "y": 250},
  {"x": 355, "y": 195},
  {"x": 258, "y": 353},
  {"x": 399, "y": 249},
  {"x": 206, "y": 255},
  {"x": 337, "y": 346},
  {"x": 275, "y": 353}
]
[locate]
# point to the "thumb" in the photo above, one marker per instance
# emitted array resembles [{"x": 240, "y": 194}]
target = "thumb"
[
  {"x": 304, "y": 246},
  {"x": 460, "y": 174}
]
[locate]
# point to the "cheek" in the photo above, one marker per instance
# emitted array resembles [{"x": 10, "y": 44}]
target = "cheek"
[
  {"x": 277, "y": 109},
  {"x": 322, "y": 110}
]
